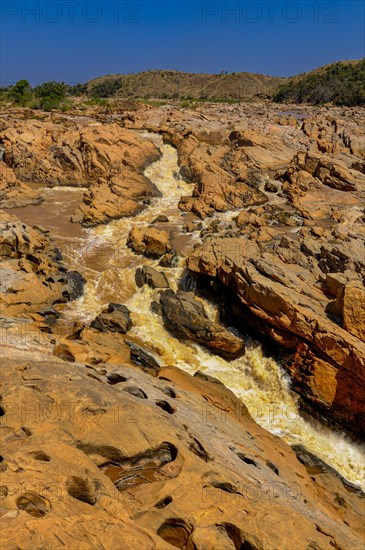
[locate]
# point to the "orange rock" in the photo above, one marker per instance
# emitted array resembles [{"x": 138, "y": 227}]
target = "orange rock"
[{"x": 353, "y": 309}]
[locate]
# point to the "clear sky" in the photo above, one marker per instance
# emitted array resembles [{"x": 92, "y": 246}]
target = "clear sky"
[{"x": 76, "y": 40}]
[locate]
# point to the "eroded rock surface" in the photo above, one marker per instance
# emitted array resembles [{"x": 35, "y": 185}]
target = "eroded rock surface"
[
  {"x": 106, "y": 158},
  {"x": 33, "y": 276},
  {"x": 115, "y": 318},
  {"x": 117, "y": 446},
  {"x": 14, "y": 193}
]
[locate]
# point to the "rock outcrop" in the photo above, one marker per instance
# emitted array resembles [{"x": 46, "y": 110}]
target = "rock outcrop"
[
  {"x": 106, "y": 446},
  {"x": 282, "y": 292},
  {"x": 33, "y": 276},
  {"x": 106, "y": 158},
  {"x": 117, "y": 447},
  {"x": 14, "y": 193}
]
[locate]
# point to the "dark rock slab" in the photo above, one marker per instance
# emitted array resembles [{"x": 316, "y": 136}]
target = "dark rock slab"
[
  {"x": 185, "y": 318},
  {"x": 150, "y": 276},
  {"x": 142, "y": 358},
  {"x": 115, "y": 318}
]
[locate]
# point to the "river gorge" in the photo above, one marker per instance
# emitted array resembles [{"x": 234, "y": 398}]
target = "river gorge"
[{"x": 227, "y": 182}]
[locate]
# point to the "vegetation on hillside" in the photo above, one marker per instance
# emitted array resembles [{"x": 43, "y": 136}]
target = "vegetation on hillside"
[
  {"x": 162, "y": 84},
  {"x": 340, "y": 84}
]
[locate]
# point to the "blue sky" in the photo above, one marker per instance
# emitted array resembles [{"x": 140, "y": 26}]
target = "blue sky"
[{"x": 76, "y": 40}]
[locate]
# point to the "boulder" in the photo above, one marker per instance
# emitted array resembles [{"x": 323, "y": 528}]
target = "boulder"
[
  {"x": 76, "y": 283},
  {"x": 161, "y": 218},
  {"x": 149, "y": 241},
  {"x": 186, "y": 318},
  {"x": 115, "y": 318},
  {"x": 150, "y": 276}
]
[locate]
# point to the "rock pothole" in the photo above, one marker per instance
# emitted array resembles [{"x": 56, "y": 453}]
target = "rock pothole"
[
  {"x": 147, "y": 467},
  {"x": 115, "y": 378},
  {"x": 137, "y": 392},
  {"x": 82, "y": 489},
  {"x": 34, "y": 504},
  {"x": 163, "y": 502},
  {"x": 165, "y": 406},
  {"x": 40, "y": 455},
  {"x": 169, "y": 391},
  {"x": 177, "y": 532},
  {"x": 236, "y": 536},
  {"x": 247, "y": 460},
  {"x": 197, "y": 448}
]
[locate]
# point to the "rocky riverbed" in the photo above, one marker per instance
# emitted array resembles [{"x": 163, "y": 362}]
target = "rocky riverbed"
[{"x": 183, "y": 312}]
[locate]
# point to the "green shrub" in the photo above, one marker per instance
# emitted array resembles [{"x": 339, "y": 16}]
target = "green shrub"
[
  {"x": 77, "y": 90},
  {"x": 20, "y": 93},
  {"x": 49, "y": 95}
]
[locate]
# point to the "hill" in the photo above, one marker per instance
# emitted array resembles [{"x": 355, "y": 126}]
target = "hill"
[
  {"x": 341, "y": 83},
  {"x": 175, "y": 84}
]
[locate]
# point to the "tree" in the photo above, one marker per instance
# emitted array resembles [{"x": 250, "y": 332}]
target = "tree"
[
  {"x": 21, "y": 92},
  {"x": 50, "y": 94},
  {"x": 77, "y": 90},
  {"x": 108, "y": 88}
]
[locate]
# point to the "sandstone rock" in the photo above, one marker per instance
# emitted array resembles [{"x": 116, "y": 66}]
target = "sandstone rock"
[
  {"x": 14, "y": 193},
  {"x": 115, "y": 318},
  {"x": 32, "y": 275},
  {"x": 92, "y": 347},
  {"x": 150, "y": 276},
  {"x": 184, "y": 317},
  {"x": 353, "y": 309},
  {"x": 94, "y": 450},
  {"x": 281, "y": 297},
  {"x": 335, "y": 283},
  {"x": 217, "y": 188},
  {"x": 68, "y": 153},
  {"x": 315, "y": 465},
  {"x": 106, "y": 157},
  {"x": 151, "y": 242},
  {"x": 112, "y": 456},
  {"x": 192, "y": 226},
  {"x": 330, "y": 172}
]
